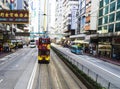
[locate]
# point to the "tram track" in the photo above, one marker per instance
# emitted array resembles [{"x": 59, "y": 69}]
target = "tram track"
[
  {"x": 56, "y": 75},
  {"x": 44, "y": 77},
  {"x": 70, "y": 80}
]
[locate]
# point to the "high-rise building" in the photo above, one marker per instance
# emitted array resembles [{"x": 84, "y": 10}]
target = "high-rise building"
[
  {"x": 70, "y": 8},
  {"x": 87, "y": 17},
  {"x": 59, "y": 16}
]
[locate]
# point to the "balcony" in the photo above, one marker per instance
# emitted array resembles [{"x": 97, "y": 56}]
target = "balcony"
[{"x": 88, "y": 19}]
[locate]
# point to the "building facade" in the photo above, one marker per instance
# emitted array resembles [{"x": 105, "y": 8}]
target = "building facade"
[
  {"x": 59, "y": 16},
  {"x": 109, "y": 28},
  {"x": 4, "y": 28},
  {"x": 70, "y": 8}
]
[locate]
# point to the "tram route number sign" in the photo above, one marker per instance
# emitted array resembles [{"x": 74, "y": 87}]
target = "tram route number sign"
[{"x": 14, "y": 16}]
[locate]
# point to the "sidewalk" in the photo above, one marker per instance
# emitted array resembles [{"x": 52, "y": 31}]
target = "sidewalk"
[{"x": 112, "y": 61}]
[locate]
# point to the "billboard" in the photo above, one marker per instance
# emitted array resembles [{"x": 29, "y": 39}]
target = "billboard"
[
  {"x": 14, "y": 16},
  {"x": 74, "y": 18}
]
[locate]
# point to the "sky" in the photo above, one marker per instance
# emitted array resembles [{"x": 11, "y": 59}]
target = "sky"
[
  {"x": 35, "y": 25},
  {"x": 52, "y": 10}
]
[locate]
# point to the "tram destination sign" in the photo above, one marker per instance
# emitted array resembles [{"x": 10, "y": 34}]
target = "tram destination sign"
[{"x": 14, "y": 16}]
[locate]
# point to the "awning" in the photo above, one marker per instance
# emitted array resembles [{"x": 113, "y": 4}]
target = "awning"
[{"x": 76, "y": 36}]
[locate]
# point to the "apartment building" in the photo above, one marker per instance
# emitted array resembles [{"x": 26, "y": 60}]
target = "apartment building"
[
  {"x": 59, "y": 16},
  {"x": 87, "y": 20},
  {"x": 70, "y": 8}
]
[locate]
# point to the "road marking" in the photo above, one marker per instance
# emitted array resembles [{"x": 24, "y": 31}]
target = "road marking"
[
  {"x": 1, "y": 80},
  {"x": 103, "y": 69},
  {"x": 31, "y": 81}
]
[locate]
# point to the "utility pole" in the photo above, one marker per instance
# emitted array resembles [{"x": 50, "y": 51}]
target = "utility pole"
[
  {"x": 44, "y": 21},
  {"x": 39, "y": 17}
]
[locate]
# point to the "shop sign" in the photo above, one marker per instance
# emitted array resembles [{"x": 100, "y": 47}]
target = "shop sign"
[{"x": 14, "y": 16}]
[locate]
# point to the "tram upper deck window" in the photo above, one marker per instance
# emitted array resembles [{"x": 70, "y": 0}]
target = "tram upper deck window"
[{"x": 44, "y": 41}]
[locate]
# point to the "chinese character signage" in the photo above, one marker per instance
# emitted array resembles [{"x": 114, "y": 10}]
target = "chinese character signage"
[
  {"x": 14, "y": 16},
  {"x": 74, "y": 18}
]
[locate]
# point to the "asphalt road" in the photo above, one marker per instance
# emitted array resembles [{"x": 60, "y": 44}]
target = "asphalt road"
[
  {"x": 110, "y": 72},
  {"x": 56, "y": 75},
  {"x": 16, "y": 68}
]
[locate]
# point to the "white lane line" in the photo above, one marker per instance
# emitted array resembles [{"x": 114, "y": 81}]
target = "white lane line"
[
  {"x": 31, "y": 81},
  {"x": 102, "y": 68},
  {"x": 1, "y": 80}
]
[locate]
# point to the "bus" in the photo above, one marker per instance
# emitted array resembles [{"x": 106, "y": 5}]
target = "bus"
[
  {"x": 76, "y": 49},
  {"x": 44, "y": 50},
  {"x": 32, "y": 43}
]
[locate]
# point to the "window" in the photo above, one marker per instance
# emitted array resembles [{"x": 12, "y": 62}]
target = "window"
[
  {"x": 111, "y": 17},
  {"x": 118, "y": 16},
  {"x": 111, "y": 28},
  {"x": 69, "y": 15},
  {"x": 100, "y": 21},
  {"x": 105, "y": 28},
  {"x": 105, "y": 20},
  {"x": 100, "y": 12},
  {"x": 106, "y": 2},
  {"x": 112, "y": 7},
  {"x": 99, "y": 28},
  {"x": 112, "y": 0},
  {"x": 105, "y": 10},
  {"x": 117, "y": 27},
  {"x": 118, "y": 4},
  {"x": 101, "y": 3}
]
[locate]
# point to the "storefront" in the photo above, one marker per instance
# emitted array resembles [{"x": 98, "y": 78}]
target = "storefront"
[
  {"x": 94, "y": 45},
  {"x": 1, "y": 41},
  {"x": 116, "y": 48},
  {"x": 105, "y": 47}
]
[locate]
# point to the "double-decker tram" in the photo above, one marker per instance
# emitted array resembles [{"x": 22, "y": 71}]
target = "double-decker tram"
[{"x": 44, "y": 50}]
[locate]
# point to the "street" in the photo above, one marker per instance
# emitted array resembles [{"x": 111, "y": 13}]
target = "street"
[
  {"x": 15, "y": 67},
  {"x": 56, "y": 75}
]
